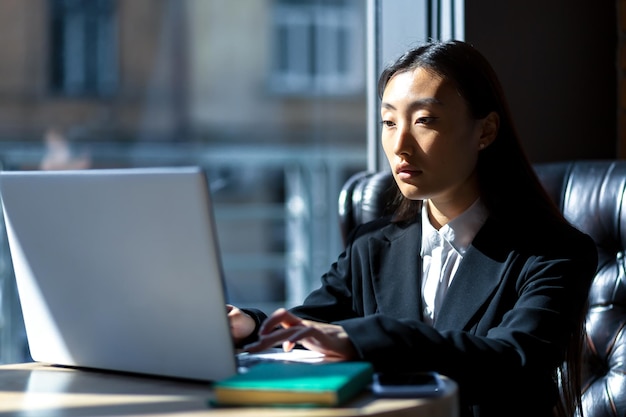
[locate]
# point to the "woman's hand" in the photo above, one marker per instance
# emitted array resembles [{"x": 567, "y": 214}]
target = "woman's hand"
[
  {"x": 288, "y": 329},
  {"x": 241, "y": 324}
]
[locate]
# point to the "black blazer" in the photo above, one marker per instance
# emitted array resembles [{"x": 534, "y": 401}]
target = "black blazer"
[{"x": 503, "y": 325}]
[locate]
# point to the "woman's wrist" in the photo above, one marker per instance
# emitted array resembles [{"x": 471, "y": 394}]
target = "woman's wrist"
[{"x": 259, "y": 317}]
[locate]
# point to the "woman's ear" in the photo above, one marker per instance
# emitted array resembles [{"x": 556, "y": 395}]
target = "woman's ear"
[{"x": 489, "y": 125}]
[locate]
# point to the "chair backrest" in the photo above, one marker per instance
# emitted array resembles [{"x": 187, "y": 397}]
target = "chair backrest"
[{"x": 591, "y": 195}]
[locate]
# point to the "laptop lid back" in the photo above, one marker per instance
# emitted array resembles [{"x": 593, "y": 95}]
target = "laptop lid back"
[{"x": 119, "y": 269}]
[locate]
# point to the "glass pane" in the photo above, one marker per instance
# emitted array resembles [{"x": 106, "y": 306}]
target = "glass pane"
[{"x": 214, "y": 83}]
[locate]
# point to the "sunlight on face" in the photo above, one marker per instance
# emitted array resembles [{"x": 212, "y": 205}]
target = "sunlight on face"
[{"x": 429, "y": 138}]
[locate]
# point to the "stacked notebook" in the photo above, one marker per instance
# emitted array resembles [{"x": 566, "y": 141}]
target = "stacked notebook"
[{"x": 323, "y": 384}]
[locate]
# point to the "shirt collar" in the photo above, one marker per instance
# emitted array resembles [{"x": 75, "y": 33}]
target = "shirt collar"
[{"x": 459, "y": 232}]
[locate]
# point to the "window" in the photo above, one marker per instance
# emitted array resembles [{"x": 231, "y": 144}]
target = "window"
[
  {"x": 185, "y": 82},
  {"x": 83, "y": 57},
  {"x": 313, "y": 47}
]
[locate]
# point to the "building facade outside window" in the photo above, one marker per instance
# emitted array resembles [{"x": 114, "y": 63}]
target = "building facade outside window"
[{"x": 267, "y": 96}]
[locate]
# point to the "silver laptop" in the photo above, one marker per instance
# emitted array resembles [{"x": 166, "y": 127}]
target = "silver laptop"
[{"x": 119, "y": 269}]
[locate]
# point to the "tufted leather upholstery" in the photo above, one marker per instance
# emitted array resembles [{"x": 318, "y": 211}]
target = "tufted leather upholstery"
[{"x": 591, "y": 195}]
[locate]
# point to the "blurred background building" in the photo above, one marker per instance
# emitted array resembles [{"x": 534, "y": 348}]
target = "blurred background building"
[{"x": 267, "y": 96}]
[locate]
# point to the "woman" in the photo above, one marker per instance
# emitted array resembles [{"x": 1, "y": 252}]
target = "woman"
[{"x": 476, "y": 275}]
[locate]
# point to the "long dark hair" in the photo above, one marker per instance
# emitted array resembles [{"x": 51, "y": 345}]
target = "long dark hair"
[
  {"x": 505, "y": 174},
  {"x": 508, "y": 184}
]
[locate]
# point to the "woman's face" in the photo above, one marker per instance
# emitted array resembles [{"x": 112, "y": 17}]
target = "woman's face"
[{"x": 430, "y": 140}]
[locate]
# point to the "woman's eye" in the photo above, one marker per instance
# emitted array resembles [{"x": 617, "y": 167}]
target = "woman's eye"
[
  {"x": 388, "y": 123},
  {"x": 425, "y": 120}
]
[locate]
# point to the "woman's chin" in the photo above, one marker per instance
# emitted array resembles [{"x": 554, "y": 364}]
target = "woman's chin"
[{"x": 411, "y": 192}]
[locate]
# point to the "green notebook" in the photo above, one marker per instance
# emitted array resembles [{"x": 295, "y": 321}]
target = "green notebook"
[{"x": 322, "y": 384}]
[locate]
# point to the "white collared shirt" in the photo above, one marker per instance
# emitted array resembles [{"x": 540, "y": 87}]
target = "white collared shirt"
[{"x": 442, "y": 252}]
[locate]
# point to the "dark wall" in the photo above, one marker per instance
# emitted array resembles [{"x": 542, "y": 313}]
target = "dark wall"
[{"x": 557, "y": 61}]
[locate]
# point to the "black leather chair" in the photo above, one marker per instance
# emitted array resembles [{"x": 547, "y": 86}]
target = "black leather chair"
[{"x": 592, "y": 196}]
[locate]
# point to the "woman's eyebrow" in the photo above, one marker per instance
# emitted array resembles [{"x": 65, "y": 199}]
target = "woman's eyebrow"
[{"x": 415, "y": 104}]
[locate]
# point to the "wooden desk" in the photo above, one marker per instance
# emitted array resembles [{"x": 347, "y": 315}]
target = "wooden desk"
[{"x": 34, "y": 389}]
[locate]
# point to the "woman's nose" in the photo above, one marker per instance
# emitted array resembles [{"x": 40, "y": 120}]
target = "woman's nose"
[{"x": 403, "y": 141}]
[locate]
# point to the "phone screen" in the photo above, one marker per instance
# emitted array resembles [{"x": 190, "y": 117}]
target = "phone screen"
[{"x": 408, "y": 385}]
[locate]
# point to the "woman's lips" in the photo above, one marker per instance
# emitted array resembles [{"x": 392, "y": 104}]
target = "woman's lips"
[{"x": 407, "y": 172}]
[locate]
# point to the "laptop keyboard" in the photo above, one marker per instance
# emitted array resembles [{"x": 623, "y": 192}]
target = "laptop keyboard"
[{"x": 246, "y": 360}]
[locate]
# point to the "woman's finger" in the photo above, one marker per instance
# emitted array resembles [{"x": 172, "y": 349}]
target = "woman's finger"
[
  {"x": 272, "y": 339},
  {"x": 288, "y": 346},
  {"x": 280, "y": 318}
]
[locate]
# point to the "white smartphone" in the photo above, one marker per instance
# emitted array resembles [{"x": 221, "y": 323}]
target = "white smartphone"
[{"x": 407, "y": 385}]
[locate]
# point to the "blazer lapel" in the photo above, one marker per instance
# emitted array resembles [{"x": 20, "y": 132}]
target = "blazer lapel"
[
  {"x": 478, "y": 276},
  {"x": 397, "y": 267}
]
